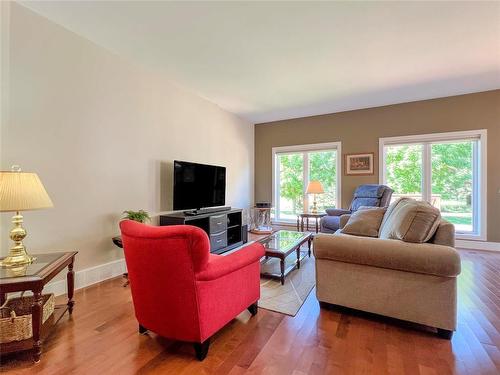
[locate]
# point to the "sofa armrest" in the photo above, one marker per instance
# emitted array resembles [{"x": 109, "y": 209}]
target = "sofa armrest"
[
  {"x": 343, "y": 220},
  {"x": 445, "y": 234},
  {"x": 423, "y": 258},
  {"x": 220, "y": 265},
  {"x": 337, "y": 211}
]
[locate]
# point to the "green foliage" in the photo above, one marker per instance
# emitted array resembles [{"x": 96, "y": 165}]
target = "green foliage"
[
  {"x": 141, "y": 216},
  {"x": 404, "y": 168},
  {"x": 291, "y": 186},
  {"x": 322, "y": 167},
  {"x": 451, "y": 169}
]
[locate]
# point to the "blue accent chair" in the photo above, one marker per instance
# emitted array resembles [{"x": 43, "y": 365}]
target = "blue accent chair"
[{"x": 365, "y": 195}]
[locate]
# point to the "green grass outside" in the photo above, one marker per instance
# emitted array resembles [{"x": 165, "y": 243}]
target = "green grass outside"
[{"x": 458, "y": 219}]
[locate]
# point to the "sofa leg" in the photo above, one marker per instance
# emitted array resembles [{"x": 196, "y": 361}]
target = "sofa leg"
[
  {"x": 253, "y": 308},
  {"x": 324, "y": 305},
  {"x": 444, "y": 333},
  {"x": 142, "y": 330},
  {"x": 201, "y": 349}
]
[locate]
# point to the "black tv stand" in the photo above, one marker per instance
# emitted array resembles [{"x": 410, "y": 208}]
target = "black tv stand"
[
  {"x": 201, "y": 211},
  {"x": 224, "y": 226}
]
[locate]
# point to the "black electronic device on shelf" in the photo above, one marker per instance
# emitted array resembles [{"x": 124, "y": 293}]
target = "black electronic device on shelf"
[
  {"x": 224, "y": 229},
  {"x": 263, "y": 205},
  {"x": 199, "y": 198},
  {"x": 199, "y": 187},
  {"x": 202, "y": 211}
]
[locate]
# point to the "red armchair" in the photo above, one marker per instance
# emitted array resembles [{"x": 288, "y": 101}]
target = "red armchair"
[{"x": 180, "y": 290}]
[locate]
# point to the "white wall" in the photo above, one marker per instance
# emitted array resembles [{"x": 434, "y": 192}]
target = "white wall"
[
  {"x": 4, "y": 85},
  {"x": 102, "y": 133}
]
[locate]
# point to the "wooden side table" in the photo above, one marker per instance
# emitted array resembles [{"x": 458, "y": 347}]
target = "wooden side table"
[
  {"x": 34, "y": 277},
  {"x": 307, "y": 215}
]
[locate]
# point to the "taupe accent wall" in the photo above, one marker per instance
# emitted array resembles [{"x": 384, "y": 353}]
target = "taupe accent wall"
[{"x": 360, "y": 130}]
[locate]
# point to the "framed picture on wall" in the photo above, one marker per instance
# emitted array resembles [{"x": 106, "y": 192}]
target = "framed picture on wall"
[{"x": 359, "y": 164}]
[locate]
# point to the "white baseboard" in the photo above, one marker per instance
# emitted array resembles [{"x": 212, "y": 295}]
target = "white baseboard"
[
  {"x": 477, "y": 245},
  {"x": 89, "y": 276}
]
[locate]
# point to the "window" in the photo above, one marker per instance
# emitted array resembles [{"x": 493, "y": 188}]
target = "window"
[
  {"x": 294, "y": 167},
  {"x": 447, "y": 169}
]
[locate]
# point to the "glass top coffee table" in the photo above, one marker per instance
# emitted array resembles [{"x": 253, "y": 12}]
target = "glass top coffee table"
[{"x": 281, "y": 244}]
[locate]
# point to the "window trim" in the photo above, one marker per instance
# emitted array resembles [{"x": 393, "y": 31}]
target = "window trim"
[
  {"x": 300, "y": 149},
  {"x": 481, "y": 165}
]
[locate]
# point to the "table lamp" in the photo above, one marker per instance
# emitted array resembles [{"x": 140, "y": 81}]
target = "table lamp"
[
  {"x": 314, "y": 187},
  {"x": 20, "y": 191}
]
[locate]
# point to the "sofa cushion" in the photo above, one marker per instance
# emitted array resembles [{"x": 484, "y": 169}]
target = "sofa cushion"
[
  {"x": 410, "y": 221},
  {"x": 365, "y": 222},
  {"x": 343, "y": 220},
  {"x": 388, "y": 213},
  {"x": 422, "y": 258}
]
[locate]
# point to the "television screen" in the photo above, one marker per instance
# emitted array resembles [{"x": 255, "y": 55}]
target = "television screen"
[{"x": 198, "y": 185}]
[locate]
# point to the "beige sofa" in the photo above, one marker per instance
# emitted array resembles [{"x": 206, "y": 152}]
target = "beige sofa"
[{"x": 407, "y": 281}]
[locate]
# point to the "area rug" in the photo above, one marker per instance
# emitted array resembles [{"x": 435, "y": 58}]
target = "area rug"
[{"x": 287, "y": 299}]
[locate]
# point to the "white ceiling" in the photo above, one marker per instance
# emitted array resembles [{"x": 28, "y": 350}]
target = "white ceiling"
[{"x": 271, "y": 61}]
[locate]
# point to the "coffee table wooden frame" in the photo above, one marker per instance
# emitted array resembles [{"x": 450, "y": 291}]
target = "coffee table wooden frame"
[{"x": 272, "y": 253}]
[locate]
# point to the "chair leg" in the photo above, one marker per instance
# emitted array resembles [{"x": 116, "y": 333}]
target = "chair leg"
[
  {"x": 253, "y": 308},
  {"x": 201, "y": 349},
  {"x": 142, "y": 330},
  {"x": 444, "y": 333}
]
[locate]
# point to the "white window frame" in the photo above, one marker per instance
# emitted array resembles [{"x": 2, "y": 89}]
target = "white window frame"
[
  {"x": 304, "y": 149},
  {"x": 479, "y": 179}
]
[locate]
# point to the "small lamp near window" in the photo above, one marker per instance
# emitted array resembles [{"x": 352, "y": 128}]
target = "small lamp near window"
[
  {"x": 314, "y": 187},
  {"x": 20, "y": 191}
]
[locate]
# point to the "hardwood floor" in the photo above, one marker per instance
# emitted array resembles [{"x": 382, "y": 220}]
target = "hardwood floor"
[{"x": 102, "y": 338}]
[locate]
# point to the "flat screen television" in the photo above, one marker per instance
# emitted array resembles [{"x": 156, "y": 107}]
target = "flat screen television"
[{"x": 198, "y": 185}]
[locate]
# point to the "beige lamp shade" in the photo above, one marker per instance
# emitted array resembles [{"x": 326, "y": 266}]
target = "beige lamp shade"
[
  {"x": 20, "y": 191},
  {"x": 314, "y": 187}
]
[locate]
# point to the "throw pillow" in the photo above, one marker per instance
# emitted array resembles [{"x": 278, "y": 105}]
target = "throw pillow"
[
  {"x": 365, "y": 222},
  {"x": 387, "y": 222},
  {"x": 410, "y": 221}
]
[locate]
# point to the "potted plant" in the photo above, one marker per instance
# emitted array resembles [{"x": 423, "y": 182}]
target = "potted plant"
[{"x": 141, "y": 216}]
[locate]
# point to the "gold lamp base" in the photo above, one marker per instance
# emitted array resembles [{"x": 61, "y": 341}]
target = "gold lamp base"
[
  {"x": 314, "y": 209},
  {"x": 17, "y": 254},
  {"x": 16, "y": 260}
]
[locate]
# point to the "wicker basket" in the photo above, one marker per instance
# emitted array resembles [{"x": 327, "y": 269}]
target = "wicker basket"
[{"x": 15, "y": 317}]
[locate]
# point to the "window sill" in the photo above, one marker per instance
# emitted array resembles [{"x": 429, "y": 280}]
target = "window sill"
[{"x": 470, "y": 237}]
